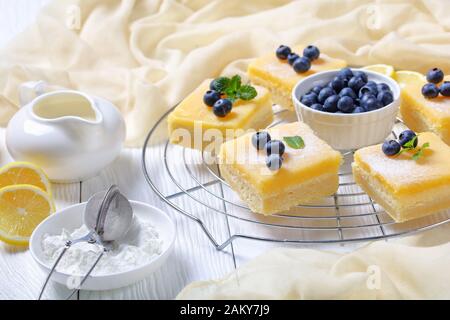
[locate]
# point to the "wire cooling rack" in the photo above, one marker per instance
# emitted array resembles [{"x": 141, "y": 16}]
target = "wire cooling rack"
[{"x": 190, "y": 182}]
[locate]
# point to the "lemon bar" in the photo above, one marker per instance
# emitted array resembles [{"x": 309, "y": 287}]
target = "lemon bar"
[
  {"x": 305, "y": 175},
  {"x": 280, "y": 78},
  {"x": 406, "y": 188},
  {"x": 193, "y": 124},
  {"x": 422, "y": 114}
]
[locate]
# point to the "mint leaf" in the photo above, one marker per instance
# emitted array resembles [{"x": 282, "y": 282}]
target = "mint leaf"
[
  {"x": 221, "y": 84},
  {"x": 247, "y": 92},
  {"x": 295, "y": 142},
  {"x": 235, "y": 83},
  {"x": 410, "y": 143}
]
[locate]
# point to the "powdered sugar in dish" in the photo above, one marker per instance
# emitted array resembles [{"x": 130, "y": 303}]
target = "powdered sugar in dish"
[{"x": 141, "y": 245}]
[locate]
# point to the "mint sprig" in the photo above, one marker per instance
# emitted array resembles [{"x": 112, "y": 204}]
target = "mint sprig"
[
  {"x": 234, "y": 89},
  {"x": 409, "y": 146},
  {"x": 295, "y": 142}
]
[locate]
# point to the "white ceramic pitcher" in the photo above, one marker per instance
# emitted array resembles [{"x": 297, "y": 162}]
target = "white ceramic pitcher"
[{"x": 70, "y": 134}]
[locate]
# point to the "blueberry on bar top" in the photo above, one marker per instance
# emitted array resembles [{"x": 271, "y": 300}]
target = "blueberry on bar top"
[
  {"x": 391, "y": 148},
  {"x": 430, "y": 90},
  {"x": 299, "y": 63},
  {"x": 435, "y": 75},
  {"x": 275, "y": 147},
  {"x": 211, "y": 97},
  {"x": 311, "y": 52},
  {"x": 407, "y": 136},
  {"x": 222, "y": 107},
  {"x": 259, "y": 139},
  {"x": 283, "y": 52},
  {"x": 274, "y": 162},
  {"x": 349, "y": 92}
]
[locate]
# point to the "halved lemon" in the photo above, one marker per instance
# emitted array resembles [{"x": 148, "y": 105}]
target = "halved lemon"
[
  {"x": 22, "y": 208},
  {"x": 16, "y": 173},
  {"x": 408, "y": 77},
  {"x": 384, "y": 69}
]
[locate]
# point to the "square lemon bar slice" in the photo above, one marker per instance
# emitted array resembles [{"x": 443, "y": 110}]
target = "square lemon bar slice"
[
  {"x": 406, "y": 188},
  {"x": 422, "y": 114},
  {"x": 280, "y": 78},
  {"x": 305, "y": 175},
  {"x": 193, "y": 124}
]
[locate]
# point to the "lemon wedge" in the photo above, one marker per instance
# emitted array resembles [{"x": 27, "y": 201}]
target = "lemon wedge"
[
  {"x": 384, "y": 69},
  {"x": 16, "y": 173},
  {"x": 22, "y": 208},
  {"x": 406, "y": 77}
]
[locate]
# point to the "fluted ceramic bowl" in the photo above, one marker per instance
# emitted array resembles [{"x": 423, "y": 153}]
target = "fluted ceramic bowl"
[{"x": 346, "y": 131}]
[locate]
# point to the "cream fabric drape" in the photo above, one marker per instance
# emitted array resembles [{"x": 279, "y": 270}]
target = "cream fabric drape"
[
  {"x": 146, "y": 55},
  {"x": 411, "y": 268}
]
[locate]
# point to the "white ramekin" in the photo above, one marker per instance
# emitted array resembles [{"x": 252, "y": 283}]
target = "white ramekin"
[{"x": 347, "y": 131}]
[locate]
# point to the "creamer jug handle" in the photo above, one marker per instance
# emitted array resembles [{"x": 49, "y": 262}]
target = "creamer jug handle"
[{"x": 28, "y": 91}]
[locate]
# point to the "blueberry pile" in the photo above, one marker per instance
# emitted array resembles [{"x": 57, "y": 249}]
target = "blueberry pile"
[
  {"x": 431, "y": 90},
  {"x": 299, "y": 63},
  {"x": 274, "y": 149},
  {"x": 393, "y": 147},
  {"x": 348, "y": 92}
]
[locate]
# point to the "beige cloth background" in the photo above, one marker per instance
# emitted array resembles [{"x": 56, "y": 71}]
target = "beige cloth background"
[
  {"x": 145, "y": 56},
  {"x": 416, "y": 267}
]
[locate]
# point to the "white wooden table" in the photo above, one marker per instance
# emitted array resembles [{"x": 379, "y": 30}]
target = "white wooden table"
[{"x": 194, "y": 257}]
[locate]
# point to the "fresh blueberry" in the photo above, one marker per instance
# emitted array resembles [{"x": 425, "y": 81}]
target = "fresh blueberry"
[
  {"x": 365, "y": 97},
  {"x": 274, "y": 162},
  {"x": 283, "y": 52},
  {"x": 309, "y": 99},
  {"x": 356, "y": 83},
  {"x": 337, "y": 84},
  {"x": 346, "y": 104},
  {"x": 311, "y": 52},
  {"x": 435, "y": 75},
  {"x": 346, "y": 73},
  {"x": 361, "y": 74},
  {"x": 347, "y": 92},
  {"x": 445, "y": 89},
  {"x": 385, "y": 97},
  {"x": 275, "y": 147},
  {"x": 317, "y": 106},
  {"x": 259, "y": 139},
  {"x": 430, "y": 90},
  {"x": 371, "y": 104},
  {"x": 317, "y": 89},
  {"x": 292, "y": 57},
  {"x": 324, "y": 94},
  {"x": 371, "y": 83},
  {"x": 330, "y": 104},
  {"x": 359, "y": 110},
  {"x": 210, "y": 97},
  {"x": 222, "y": 107},
  {"x": 301, "y": 65},
  {"x": 391, "y": 148},
  {"x": 407, "y": 136},
  {"x": 383, "y": 87},
  {"x": 368, "y": 89}
]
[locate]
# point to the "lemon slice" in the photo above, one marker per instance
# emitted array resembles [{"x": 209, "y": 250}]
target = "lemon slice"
[
  {"x": 22, "y": 208},
  {"x": 409, "y": 77},
  {"x": 384, "y": 69},
  {"x": 24, "y": 173}
]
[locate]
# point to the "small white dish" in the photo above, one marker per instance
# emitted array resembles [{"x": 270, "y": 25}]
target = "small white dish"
[
  {"x": 69, "y": 134},
  {"x": 71, "y": 218},
  {"x": 348, "y": 131}
]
